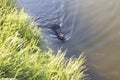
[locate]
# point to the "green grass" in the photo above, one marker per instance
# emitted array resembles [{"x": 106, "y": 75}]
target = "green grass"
[{"x": 22, "y": 54}]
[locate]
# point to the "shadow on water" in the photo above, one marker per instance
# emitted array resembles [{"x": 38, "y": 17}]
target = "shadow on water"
[{"x": 89, "y": 26}]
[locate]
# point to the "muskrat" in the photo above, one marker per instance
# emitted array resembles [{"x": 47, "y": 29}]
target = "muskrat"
[{"x": 58, "y": 33}]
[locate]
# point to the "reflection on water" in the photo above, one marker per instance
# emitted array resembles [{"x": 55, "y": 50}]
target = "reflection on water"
[{"x": 90, "y": 26}]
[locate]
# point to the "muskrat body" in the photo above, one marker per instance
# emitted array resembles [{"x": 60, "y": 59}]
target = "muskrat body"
[{"x": 58, "y": 33}]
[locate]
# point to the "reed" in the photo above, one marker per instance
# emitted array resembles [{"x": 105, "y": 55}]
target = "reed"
[{"x": 22, "y": 54}]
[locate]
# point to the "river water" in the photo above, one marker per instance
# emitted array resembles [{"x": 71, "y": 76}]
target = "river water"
[{"x": 89, "y": 26}]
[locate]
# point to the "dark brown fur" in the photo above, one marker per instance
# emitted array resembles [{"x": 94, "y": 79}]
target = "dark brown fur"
[{"x": 58, "y": 33}]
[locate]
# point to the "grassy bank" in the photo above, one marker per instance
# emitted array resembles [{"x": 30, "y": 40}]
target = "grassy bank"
[{"x": 21, "y": 50}]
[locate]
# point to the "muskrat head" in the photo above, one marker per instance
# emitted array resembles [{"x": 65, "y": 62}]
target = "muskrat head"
[{"x": 61, "y": 36}]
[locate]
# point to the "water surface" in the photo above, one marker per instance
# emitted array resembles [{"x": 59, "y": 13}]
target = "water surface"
[{"x": 90, "y": 26}]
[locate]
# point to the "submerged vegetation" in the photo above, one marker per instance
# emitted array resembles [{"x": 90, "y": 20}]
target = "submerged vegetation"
[{"x": 21, "y": 54}]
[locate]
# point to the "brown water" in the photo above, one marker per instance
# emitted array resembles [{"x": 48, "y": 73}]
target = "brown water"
[{"x": 90, "y": 26}]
